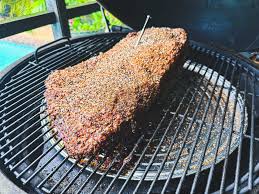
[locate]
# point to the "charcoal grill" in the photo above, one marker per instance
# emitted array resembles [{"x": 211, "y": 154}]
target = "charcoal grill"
[{"x": 201, "y": 136}]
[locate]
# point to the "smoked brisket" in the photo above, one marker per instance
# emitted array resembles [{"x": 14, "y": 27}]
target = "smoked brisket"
[{"x": 88, "y": 103}]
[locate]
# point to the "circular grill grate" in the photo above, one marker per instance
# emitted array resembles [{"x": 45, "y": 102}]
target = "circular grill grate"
[
  {"x": 206, "y": 84},
  {"x": 203, "y": 130}
]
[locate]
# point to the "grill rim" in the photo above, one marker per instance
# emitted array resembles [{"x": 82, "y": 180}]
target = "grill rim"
[{"x": 16, "y": 66}]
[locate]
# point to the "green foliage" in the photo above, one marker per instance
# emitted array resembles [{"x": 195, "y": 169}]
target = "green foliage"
[
  {"x": 77, "y": 2},
  {"x": 17, "y": 8},
  {"x": 92, "y": 23}
]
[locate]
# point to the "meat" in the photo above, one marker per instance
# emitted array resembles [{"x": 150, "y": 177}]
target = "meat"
[{"x": 89, "y": 102}]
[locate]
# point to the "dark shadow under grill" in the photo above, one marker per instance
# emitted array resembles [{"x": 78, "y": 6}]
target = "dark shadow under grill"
[{"x": 200, "y": 136}]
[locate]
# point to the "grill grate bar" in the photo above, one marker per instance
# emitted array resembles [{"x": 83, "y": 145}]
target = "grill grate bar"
[
  {"x": 26, "y": 138},
  {"x": 34, "y": 63},
  {"x": 48, "y": 62},
  {"x": 21, "y": 105},
  {"x": 144, "y": 150},
  {"x": 51, "y": 65},
  {"x": 210, "y": 129},
  {"x": 22, "y": 150},
  {"x": 77, "y": 175},
  {"x": 166, "y": 131},
  {"x": 27, "y": 121},
  {"x": 36, "y": 69},
  {"x": 143, "y": 153},
  {"x": 19, "y": 91},
  {"x": 10, "y": 118},
  {"x": 103, "y": 176},
  {"x": 93, "y": 44},
  {"x": 185, "y": 138},
  {"x": 125, "y": 162},
  {"x": 240, "y": 141},
  {"x": 52, "y": 173},
  {"x": 246, "y": 189},
  {"x": 85, "y": 42},
  {"x": 25, "y": 71},
  {"x": 154, "y": 135},
  {"x": 97, "y": 168},
  {"x": 243, "y": 179},
  {"x": 23, "y": 82},
  {"x": 52, "y": 54},
  {"x": 26, "y": 93},
  {"x": 249, "y": 93},
  {"x": 18, "y": 100},
  {"x": 43, "y": 166},
  {"x": 222, "y": 185},
  {"x": 48, "y": 59},
  {"x": 41, "y": 156},
  {"x": 199, "y": 121},
  {"x": 249, "y": 137},
  {"x": 27, "y": 66},
  {"x": 166, "y": 156},
  {"x": 218, "y": 140},
  {"x": 251, "y": 150},
  {"x": 89, "y": 177},
  {"x": 81, "y": 170},
  {"x": 39, "y": 81},
  {"x": 63, "y": 177},
  {"x": 36, "y": 160},
  {"x": 204, "y": 116}
]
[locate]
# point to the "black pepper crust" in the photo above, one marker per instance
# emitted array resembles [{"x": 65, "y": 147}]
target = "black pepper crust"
[{"x": 89, "y": 102}]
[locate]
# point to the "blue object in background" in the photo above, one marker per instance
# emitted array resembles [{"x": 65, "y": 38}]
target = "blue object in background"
[{"x": 10, "y": 52}]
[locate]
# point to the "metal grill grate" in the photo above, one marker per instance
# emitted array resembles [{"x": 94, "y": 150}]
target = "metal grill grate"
[{"x": 201, "y": 136}]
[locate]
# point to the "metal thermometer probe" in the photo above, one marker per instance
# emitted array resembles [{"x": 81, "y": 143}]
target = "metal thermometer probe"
[{"x": 143, "y": 30}]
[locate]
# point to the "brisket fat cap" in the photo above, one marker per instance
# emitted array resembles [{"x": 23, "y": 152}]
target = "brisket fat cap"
[{"x": 87, "y": 103}]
